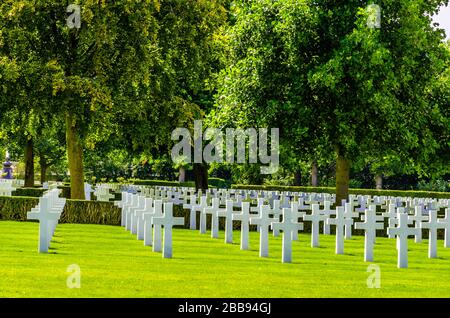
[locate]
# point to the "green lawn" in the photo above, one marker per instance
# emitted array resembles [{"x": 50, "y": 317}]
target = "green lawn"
[{"x": 114, "y": 264}]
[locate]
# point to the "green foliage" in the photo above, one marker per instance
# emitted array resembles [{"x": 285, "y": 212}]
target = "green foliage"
[
  {"x": 218, "y": 183},
  {"x": 333, "y": 84},
  {"x": 398, "y": 193},
  {"x": 434, "y": 185}
]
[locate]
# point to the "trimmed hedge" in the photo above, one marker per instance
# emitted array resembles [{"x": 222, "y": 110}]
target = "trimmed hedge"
[
  {"x": 16, "y": 208},
  {"x": 75, "y": 211},
  {"x": 395, "y": 193},
  {"x": 29, "y": 192},
  {"x": 91, "y": 212}
]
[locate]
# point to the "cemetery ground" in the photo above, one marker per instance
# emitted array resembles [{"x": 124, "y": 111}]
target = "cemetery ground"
[{"x": 114, "y": 264}]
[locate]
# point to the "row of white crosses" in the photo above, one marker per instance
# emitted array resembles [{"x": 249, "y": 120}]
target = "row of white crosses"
[
  {"x": 48, "y": 212},
  {"x": 343, "y": 221},
  {"x": 147, "y": 218}
]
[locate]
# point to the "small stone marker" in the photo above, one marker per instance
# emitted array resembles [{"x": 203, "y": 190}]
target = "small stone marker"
[
  {"x": 402, "y": 231},
  {"x": 432, "y": 225},
  {"x": 287, "y": 226},
  {"x": 244, "y": 217},
  {"x": 168, "y": 221},
  {"x": 264, "y": 222},
  {"x": 316, "y": 217},
  {"x": 370, "y": 226},
  {"x": 340, "y": 221}
]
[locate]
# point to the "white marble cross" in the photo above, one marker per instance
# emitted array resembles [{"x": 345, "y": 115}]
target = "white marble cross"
[
  {"x": 214, "y": 211},
  {"x": 276, "y": 212},
  {"x": 370, "y": 226},
  {"x": 134, "y": 218},
  {"x": 256, "y": 209},
  {"x": 201, "y": 207},
  {"x": 157, "y": 239},
  {"x": 138, "y": 214},
  {"x": 168, "y": 221},
  {"x": 391, "y": 214},
  {"x": 244, "y": 217},
  {"x": 349, "y": 214},
  {"x": 192, "y": 205},
  {"x": 402, "y": 231},
  {"x": 228, "y": 214},
  {"x": 127, "y": 209},
  {"x": 340, "y": 221},
  {"x": 418, "y": 218},
  {"x": 46, "y": 218},
  {"x": 264, "y": 221},
  {"x": 287, "y": 226},
  {"x": 446, "y": 224},
  {"x": 147, "y": 217},
  {"x": 377, "y": 218},
  {"x": 432, "y": 225},
  {"x": 327, "y": 212},
  {"x": 296, "y": 214},
  {"x": 87, "y": 191},
  {"x": 316, "y": 217}
]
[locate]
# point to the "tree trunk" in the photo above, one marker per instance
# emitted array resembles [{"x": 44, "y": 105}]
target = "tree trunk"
[
  {"x": 342, "y": 178},
  {"x": 182, "y": 176},
  {"x": 314, "y": 180},
  {"x": 75, "y": 158},
  {"x": 201, "y": 176},
  {"x": 44, "y": 166},
  {"x": 379, "y": 181},
  {"x": 29, "y": 164},
  {"x": 298, "y": 178}
]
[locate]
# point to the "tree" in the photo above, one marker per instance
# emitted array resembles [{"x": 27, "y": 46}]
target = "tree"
[
  {"x": 105, "y": 65},
  {"x": 330, "y": 80}
]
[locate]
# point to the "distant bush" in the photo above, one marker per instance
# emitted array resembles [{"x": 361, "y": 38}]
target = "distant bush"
[
  {"x": 29, "y": 192},
  {"x": 434, "y": 185},
  {"x": 218, "y": 183}
]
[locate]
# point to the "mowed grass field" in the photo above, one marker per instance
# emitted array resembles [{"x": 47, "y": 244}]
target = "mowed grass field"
[{"x": 114, "y": 264}]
